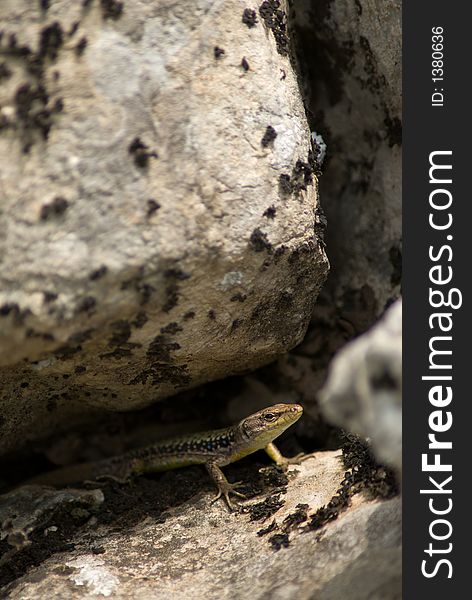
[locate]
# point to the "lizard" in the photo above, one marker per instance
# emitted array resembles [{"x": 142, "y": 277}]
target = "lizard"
[{"x": 214, "y": 449}]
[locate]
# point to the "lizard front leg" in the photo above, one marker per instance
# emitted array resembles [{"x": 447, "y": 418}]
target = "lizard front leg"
[
  {"x": 281, "y": 460},
  {"x": 225, "y": 488}
]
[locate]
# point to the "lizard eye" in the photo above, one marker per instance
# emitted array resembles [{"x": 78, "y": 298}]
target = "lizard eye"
[{"x": 269, "y": 417}]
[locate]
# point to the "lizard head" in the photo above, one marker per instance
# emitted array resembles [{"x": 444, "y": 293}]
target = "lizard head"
[{"x": 265, "y": 425}]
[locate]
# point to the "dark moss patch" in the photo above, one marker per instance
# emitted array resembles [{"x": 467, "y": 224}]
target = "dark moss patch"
[
  {"x": 161, "y": 348},
  {"x": 275, "y": 19},
  {"x": 152, "y": 207},
  {"x": 293, "y": 520},
  {"x": 98, "y": 273},
  {"x": 141, "y": 153},
  {"x": 66, "y": 352},
  {"x": 321, "y": 224},
  {"x": 394, "y": 131},
  {"x": 81, "y": 46},
  {"x": 268, "y": 137},
  {"x": 49, "y": 297},
  {"x": 363, "y": 474},
  {"x": 259, "y": 242},
  {"x": 87, "y": 304},
  {"x": 279, "y": 540},
  {"x": 140, "y": 320},
  {"x": 218, "y": 52},
  {"x": 264, "y": 510},
  {"x": 235, "y": 324},
  {"x": 172, "y": 297},
  {"x": 111, "y": 9},
  {"x": 171, "y": 328},
  {"x": 33, "y": 113},
  {"x": 270, "y": 212},
  {"x": 238, "y": 297},
  {"x": 125, "y": 350},
  {"x": 249, "y": 17},
  {"x": 121, "y": 333},
  {"x": 272, "y": 527},
  {"x": 285, "y": 184},
  {"x": 50, "y": 41},
  {"x": 245, "y": 64},
  {"x": 5, "y": 72},
  {"x": 176, "y": 273},
  {"x": 80, "y": 336}
]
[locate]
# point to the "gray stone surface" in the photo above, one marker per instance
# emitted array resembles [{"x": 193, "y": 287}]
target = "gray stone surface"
[
  {"x": 363, "y": 393},
  {"x": 202, "y": 551},
  {"x": 350, "y": 54},
  {"x": 137, "y": 258}
]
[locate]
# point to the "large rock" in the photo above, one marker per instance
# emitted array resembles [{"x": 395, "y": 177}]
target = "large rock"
[
  {"x": 350, "y": 56},
  {"x": 363, "y": 393},
  {"x": 201, "y": 551},
  {"x": 146, "y": 242}
]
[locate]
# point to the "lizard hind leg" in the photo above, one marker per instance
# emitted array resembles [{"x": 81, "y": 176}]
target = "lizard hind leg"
[{"x": 225, "y": 488}]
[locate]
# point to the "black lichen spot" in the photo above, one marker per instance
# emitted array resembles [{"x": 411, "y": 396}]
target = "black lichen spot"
[
  {"x": 86, "y": 304},
  {"x": 235, "y": 324},
  {"x": 285, "y": 184},
  {"x": 111, "y": 9},
  {"x": 264, "y": 510},
  {"x": 275, "y": 20},
  {"x": 98, "y": 273},
  {"x": 141, "y": 153},
  {"x": 249, "y": 17},
  {"x": 258, "y": 241},
  {"x": 211, "y": 314},
  {"x": 145, "y": 290},
  {"x": 363, "y": 474},
  {"x": 66, "y": 352},
  {"x": 73, "y": 29},
  {"x": 269, "y": 136},
  {"x": 44, "y": 5},
  {"x": 160, "y": 349},
  {"x": 33, "y": 113},
  {"x": 395, "y": 256},
  {"x": 238, "y": 297},
  {"x": 245, "y": 64},
  {"x": 394, "y": 131},
  {"x": 270, "y": 212},
  {"x": 172, "y": 297},
  {"x": 80, "y": 336},
  {"x": 300, "y": 515},
  {"x": 140, "y": 320},
  {"x": 5, "y": 72},
  {"x": 176, "y": 274},
  {"x": 218, "y": 52},
  {"x": 51, "y": 40},
  {"x": 279, "y": 540},
  {"x": 152, "y": 207},
  {"x": 49, "y": 297},
  {"x": 81, "y": 46},
  {"x": 171, "y": 328},
  {"x": 189, "y": 315},
  {"x": 272, "y": 527},
  {"x": 80, "y": 369},
  {"x": 121, "y": 333},
  {"x": 55, "y": 209}
]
